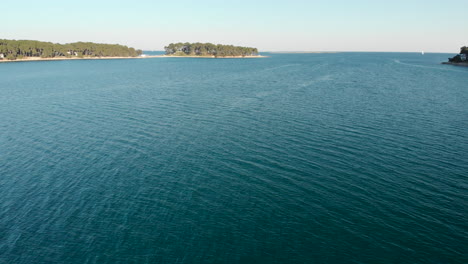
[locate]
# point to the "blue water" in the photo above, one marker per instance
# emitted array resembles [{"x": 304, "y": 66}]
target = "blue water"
[
  {"x": 154, "y": 52},
  {"x": 295, "y": 158}
]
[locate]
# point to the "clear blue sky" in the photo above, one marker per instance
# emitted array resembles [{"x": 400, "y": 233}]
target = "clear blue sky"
[{"x": 294, "y": 25}]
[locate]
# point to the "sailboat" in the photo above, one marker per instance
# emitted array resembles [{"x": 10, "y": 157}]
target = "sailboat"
[{"x": 422, "y": 52}]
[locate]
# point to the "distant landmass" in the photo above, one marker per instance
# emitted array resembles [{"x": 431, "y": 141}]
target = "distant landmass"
[
  {"x": 24, "y": 49},
  {"x": 460, "y": 59},
  {"x": 32, "y": 50},
  {"x": 303, "y": 52},
  {"x": 209, "y": 50}
]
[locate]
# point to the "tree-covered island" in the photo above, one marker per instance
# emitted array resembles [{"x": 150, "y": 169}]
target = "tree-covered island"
[
  {"x": 23, "y": 49},
  {"x": 460, "y": 59},
  {"x": 209, "y": 50}
]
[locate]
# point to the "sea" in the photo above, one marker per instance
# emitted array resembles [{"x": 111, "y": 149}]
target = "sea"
[{"x": 292, "y": 158}]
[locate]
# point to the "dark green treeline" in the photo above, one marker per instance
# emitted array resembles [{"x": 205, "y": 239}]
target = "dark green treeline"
[
  {"x": 208, "y": 49},
  {"x": 18, "y": 49},
  {"x": 462, "y": 57}
]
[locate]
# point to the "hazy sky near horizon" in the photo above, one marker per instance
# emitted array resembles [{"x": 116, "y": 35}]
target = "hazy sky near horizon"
[{"x": 294, "y": 25}]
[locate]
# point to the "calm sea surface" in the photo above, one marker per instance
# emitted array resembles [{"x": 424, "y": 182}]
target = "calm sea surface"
[{"x": 296, "y": 158}]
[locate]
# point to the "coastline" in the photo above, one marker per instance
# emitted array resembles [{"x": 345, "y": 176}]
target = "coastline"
[
  {"x": 461, "y": 64},
  {"x": 213, "y": 57},
  {"x": 123, "y": 58},
  {"x": 75, "y": 58},
  {"x": 305, "y": 52}
]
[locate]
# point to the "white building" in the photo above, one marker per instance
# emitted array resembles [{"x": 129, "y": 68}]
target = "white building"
[
  {"x": 2, "y": 56},
  {"x": 463, "y": 57}
]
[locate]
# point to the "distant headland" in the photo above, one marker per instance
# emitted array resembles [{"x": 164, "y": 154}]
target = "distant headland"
[
  {"x": 209, "y": 50},
  {"x": 28, "y": 50},
  {"x": 460, "y": 59}
]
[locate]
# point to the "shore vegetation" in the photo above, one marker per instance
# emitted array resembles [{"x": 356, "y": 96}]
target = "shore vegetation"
[
  {"x": 22, "y": 49},
  {"x": 208, "y": 50},
  {"x": 461, "y": 57}
]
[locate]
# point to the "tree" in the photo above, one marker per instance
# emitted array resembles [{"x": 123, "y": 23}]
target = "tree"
[
  {"x": 30, "y": 48},
  {"x": 464, "y": 50},
  {"x": 208, "y": 49}
]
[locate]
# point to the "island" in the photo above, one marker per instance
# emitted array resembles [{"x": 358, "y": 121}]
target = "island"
[
  {"x": 460, "y": 59},
  {"x": 33, "y": 50},
  {"x": 209, "y": 50},
  {"x": 11, "y": 50}
]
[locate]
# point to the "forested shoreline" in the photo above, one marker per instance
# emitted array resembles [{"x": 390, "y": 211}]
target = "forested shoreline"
[
  {"x": 461, "y": 57},
  {"x": 21, "y": 49},
  {"x": 208, "y": 49}
]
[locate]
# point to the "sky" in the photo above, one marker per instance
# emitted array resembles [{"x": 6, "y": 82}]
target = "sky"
[{"x": 293, "y": 25}]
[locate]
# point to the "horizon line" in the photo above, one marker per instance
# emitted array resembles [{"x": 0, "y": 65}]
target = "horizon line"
[{"x": 331, "y": 52}]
